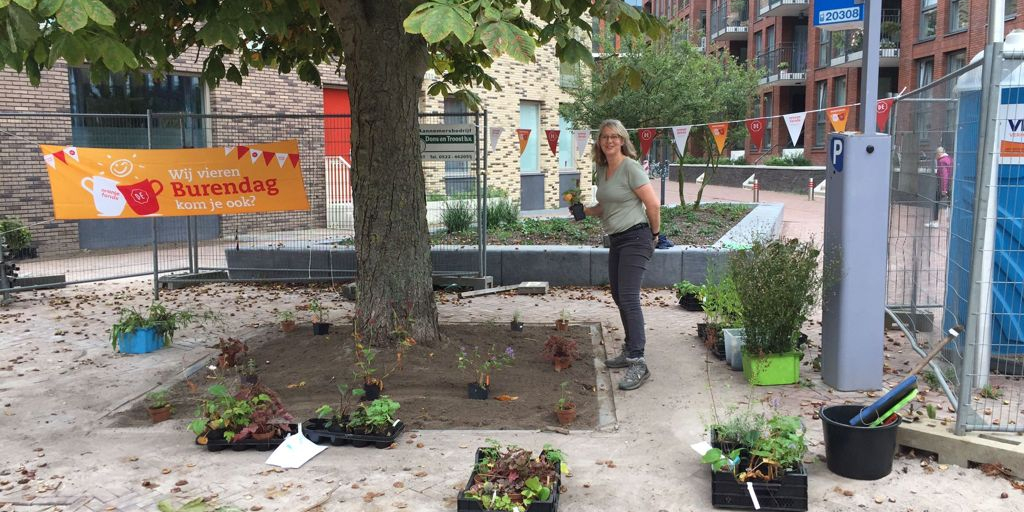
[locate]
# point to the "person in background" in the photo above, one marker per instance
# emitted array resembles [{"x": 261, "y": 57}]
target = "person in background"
[
  {"x": 630, "y": 214},
  {"x": 943, "y": 171}
]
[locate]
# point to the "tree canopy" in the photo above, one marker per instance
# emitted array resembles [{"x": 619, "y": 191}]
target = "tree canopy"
[
  {"x": 382, "y": 45},
  {"x": 666, "y": 82}
]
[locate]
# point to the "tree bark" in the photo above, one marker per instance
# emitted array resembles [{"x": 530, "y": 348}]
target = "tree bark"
[{"x": 384, "y": 67}]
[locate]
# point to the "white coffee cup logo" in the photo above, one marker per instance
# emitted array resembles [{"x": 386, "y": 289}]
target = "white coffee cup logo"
[{"x": 108, "y": 199}]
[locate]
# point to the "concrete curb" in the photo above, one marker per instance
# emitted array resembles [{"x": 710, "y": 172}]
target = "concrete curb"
[{"x": 559, "y": 265}]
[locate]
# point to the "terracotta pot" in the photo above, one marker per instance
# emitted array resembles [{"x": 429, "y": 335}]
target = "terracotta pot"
[
  {"x": 287, "y": 325},
  {"x": 263, "y": 436},
  {"x": 562, "y": 362},
  {"x": 561, "y": 325},
  {"x": 159, "y": 414},
  {"x": 566, "y": 416}
]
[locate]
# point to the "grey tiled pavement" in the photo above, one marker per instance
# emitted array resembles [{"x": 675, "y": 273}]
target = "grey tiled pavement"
[{"x": 59, "y": 381}]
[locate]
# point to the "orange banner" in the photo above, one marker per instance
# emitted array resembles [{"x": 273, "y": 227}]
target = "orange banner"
[
  {"x": 95, "y": 183},
  {"x": 837, "y": 116},
  {"x": 524, "y": 137},
  {"x": 719, "y": 131}
]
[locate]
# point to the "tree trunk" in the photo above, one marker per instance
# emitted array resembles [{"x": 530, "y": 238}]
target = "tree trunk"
[
  {"x": 709, "y": 169},
  {"x": 384, "y": 67}
]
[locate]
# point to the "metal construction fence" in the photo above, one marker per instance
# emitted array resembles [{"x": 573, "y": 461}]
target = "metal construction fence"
[
  {"x": 312, "y": 245},
  {"x": 944, "y": 270}
]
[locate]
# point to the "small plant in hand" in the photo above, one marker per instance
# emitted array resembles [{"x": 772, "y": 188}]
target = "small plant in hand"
[
  {"x": 575, "y": 199},
  {"x": 511, "y": 478},
  {"x": 561, "y": 351},
  {"x": 482, "y": 364}
]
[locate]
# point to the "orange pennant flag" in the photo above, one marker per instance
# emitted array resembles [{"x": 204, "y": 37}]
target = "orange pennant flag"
[
  {"x": 524, "y": 137},
  {"x": 719, "y": 131},
  {"x": 837, "y": 116}
]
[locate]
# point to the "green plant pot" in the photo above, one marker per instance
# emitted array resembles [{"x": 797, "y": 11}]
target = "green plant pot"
[{"x": 772, "y": 369}]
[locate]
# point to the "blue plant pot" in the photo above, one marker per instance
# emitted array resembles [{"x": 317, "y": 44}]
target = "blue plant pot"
[{"x": 140, "y": 341}]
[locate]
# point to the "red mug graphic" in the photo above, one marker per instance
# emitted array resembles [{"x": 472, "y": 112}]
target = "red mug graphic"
[{"x": 141, "y": 196}]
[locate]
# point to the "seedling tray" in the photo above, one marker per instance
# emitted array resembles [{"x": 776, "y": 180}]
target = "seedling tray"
[
  {"x": 324, "y": 436},
  {"x": 786, "y": 494},
  {"x": 216, "y": 445},
  {"x": 465, "y": 504}
]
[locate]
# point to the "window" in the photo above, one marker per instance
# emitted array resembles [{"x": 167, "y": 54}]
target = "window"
[
  {"x": 134, "y": 94},
  {"x": 569, "y": 74},
  {"x": 929, "y": 15},
  {"x": 839, "y": 91},
  {"x": 457, "y": 176},
  {"x": 768, "y": 121},
  {"x": 769, "y": 38},
  {"x": 824, "y": 49},
  {"x": 1011, "y": 7},
  {"x": 925, "y": 69},
  {"x": 821, "y": 102},
  {"x": 959, "y": 11},
  {"x": 529, "y": 117},
  {"x": 955, "y": 61}
]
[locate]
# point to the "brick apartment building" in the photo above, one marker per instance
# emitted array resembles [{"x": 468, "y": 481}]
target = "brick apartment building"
[
  {"x": 807, "y": 69},
  {"x": 244, "y": 113}
]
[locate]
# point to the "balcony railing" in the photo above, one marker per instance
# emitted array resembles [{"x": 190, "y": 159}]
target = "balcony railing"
[
  {"x": 729, "y": 24},
  {"x": 846, "y": 48},
  {"x": 786, "y": 63},
  {"x": 782, "y": 7}
]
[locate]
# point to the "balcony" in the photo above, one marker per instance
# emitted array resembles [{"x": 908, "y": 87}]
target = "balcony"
[
  {"x": 767, "y": 8},
  {"x": 785, "y": 65},
  {"x": 846, "y": 48},
  {"x": 730, "y": 25}
]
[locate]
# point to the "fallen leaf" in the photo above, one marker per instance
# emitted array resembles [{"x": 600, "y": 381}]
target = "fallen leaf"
[
  {"x": 368, "y": 497},
  {"x": 506, "y": 398},
  {"x": 420, "y": 474},
  {"x": 398, "y": 485},
  {"x": 299, "y": 385},
  {"x": 166, "y": 471}
]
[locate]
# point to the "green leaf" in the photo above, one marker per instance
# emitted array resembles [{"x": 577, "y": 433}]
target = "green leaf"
[
  {"x": 233, "y": 75},
  {"x": 32, "y": 69},
  {"x": 73, "y": 50},
  {"x": 308, "y": 72},
  {"x": 4, "y": 3},
  {"x": 27, "y": 4},
  {"x": 98, "y": 12},
  {"x": 165, "y": 506},
  {"x": 39, "y": 52},
  {"x": 72, "y": 16},
  {"x": 26, "y": 28},
  {"x": 575, "y": 51},
  {"x": 47, "y": 8},
  {"x": 436, "y": 21}
]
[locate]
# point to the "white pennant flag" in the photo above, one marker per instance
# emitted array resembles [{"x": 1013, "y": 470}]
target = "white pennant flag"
[
  {"x": 582, "y": 137},
  {"x": 255, "y": 154},
  {"x": 795, "y": 123},
  {"x": 681, "y": 133},
  {"x": 50, "y": 160},
  {"x": 228, "y": 150},
  {"x": 281, "y": 158},
  {"x": 72, "y": 152},
  {"x": 494, "y": 136}
]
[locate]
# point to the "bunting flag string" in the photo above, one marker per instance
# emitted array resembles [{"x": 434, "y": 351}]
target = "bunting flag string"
[
  {"x": 755, "y": 127},
  {"x": 882, "y": 113},
  {"x": 838, "y": 116},
  {"x": 795, "y": 125},
  {"x": 719, "y": 131},
  {"x": 681, "y": 133},
  {"x": 582, "y": 138},
  {"x": 646, "y": 136},
  {"x": 494, "y": 136}
]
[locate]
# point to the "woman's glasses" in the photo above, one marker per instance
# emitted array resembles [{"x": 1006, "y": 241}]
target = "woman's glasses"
[{"x": 609, "y": 137}]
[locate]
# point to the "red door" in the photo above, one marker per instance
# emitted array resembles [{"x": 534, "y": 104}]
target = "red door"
[{"x": 337, "y": 130}]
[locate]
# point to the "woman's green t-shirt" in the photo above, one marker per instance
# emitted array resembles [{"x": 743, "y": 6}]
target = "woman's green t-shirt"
[{"x": 622, "y": 209}]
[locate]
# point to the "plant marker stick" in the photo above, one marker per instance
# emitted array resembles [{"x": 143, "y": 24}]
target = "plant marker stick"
[{"x": 753, "y": 497}]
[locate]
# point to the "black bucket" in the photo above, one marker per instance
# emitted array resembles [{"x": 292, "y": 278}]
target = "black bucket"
[{"x": 861, "y": 453}]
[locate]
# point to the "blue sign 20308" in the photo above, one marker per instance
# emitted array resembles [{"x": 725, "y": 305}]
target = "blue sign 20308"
[{"x": 838, "y": 14}]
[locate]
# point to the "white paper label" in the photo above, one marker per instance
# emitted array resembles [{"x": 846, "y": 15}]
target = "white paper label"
[{"x": 753, "y": 497}]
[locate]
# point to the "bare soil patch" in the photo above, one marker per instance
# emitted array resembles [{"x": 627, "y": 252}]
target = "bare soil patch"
[{"x": 305, "y": 370}]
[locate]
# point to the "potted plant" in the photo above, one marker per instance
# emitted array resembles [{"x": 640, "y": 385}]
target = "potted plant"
[
  {"x": 268, "y": 418},
  {"x": 783, "y": 66},
  {"x": 689, "y": 295},
  {"x": 482, "y": 364},
  {"x": 575, "y": 199},
  {"x": 565, "y": 409},
  {"x": 158, "y": 407},
  {"x": 561, "y": 351},
  {"x": 221, "y": 416},
  {"x": 319, "y": 312},
  {"x": 517, "y": 321},
  {"x": 740, "y": 429},
  {"x": 776, "y": 307},
  {"x": 232, "y": 350},
  {"x": 722, "y": 310},
  {"x": 376, "y": 418},
  {"x": 770, "y": 467},
  {"x": 366, "y": 372},
  {"x": 511, "y": 478},
  {"x": 247, "y": 373},
  {"x": 137, "y": 332},
  {"x": 562, "y": 324},
  {"x": 287, "y": 320},
  {"x": 336, "y": 420}
]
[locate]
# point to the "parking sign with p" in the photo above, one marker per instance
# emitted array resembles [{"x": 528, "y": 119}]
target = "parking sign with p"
[{"x": 835, "y": 153}]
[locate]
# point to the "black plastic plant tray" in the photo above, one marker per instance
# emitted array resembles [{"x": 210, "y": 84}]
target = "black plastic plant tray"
[
  {"x": 787, "y": 494},
  {"x": 216, "y": 445},
  {"x": 324, "y": 436},
  {"x": 465, "y": 504}
]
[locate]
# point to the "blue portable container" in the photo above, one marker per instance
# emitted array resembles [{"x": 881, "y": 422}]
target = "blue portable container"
[{"x": 140, "y": 341}]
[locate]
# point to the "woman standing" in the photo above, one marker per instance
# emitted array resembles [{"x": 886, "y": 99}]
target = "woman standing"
[{"x": 631, "y": 216}]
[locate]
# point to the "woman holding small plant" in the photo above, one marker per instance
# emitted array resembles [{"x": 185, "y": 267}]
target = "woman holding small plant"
[{"x": 631, "y": 216}]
